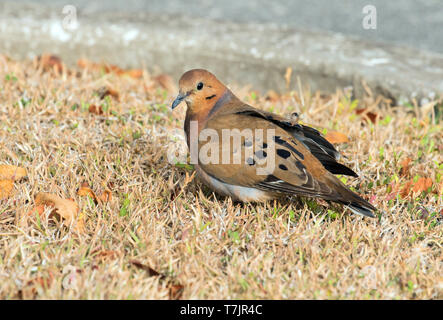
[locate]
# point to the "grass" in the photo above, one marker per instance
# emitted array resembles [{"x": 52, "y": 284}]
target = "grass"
[{"x": 164, "y": 235}]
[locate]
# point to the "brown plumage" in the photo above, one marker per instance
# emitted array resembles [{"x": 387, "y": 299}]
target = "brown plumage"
[{"x": 294, "y": 159}]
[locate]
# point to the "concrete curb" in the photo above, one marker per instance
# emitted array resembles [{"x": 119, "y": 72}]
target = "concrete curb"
[{"x": 244, "y": 53}]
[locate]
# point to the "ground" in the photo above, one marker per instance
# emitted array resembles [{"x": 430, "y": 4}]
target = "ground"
[{"x": 148, "y": 229}]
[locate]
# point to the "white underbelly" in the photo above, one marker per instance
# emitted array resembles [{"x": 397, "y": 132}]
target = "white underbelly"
[{"x": 244, "y": 194}]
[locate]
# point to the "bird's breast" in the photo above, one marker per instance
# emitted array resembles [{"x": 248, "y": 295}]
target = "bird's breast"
[{"x": 240, "y": 193}]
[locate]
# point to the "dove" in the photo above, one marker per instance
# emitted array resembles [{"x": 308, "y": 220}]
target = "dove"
[{"x": 254, "y": 156}]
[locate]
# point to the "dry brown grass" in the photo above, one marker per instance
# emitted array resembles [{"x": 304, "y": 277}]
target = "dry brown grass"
[{"x": 215, "y": 249}]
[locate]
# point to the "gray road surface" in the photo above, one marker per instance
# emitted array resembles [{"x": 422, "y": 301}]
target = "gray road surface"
[{"x": 414, "y": 23}]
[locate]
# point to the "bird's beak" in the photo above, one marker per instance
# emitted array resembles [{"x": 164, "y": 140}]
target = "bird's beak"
[{"x": 179, "y": 99}]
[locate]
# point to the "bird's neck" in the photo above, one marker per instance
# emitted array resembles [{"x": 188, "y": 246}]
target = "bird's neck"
[{"x": 202, "y": 115}]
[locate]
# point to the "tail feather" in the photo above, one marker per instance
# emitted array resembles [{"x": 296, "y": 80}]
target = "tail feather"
[
  {"x": 351, "y": 200},
  {"x": 361, "y": 210}
]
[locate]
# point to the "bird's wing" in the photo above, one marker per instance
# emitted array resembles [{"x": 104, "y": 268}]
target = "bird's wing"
[
  {"x": 247, "y": 151},
  {"x": 270, "y": 159},
  {"x": 312, "y": 139}
]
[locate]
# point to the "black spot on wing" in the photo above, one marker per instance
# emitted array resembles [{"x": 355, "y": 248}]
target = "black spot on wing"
[
  {"x": 283, "y": 153},
  {"x": 296, "y": 152},
  {"x": 278, "y": 140},
  {"x": 284, "y": 143},
  {"x": 283, "y": 167}
]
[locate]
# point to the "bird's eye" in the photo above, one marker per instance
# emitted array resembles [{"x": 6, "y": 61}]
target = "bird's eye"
[{"x": 200, "y": 86}]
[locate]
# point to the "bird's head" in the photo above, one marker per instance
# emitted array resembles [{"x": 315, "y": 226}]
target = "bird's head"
[{"x": 200, "y": 89}]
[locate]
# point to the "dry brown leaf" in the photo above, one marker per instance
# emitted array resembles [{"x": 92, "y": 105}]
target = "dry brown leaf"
[
  {"x": 6, "y": 187},
  {"x": 106, "y": 196},
  {"x": 151, "y": 272},
  {"x": 108, "y": 68},
  {"x": 85, "y": 190},
  {"x": 175, "y": 291},
  {"x": 103, "y": 255},
  {"x": 98, "y": 110},
  {"x": 336, "y": 137},
  {"x": 29, "y": 291},
  {"x": 38, "y": 209},
  {"x": 135, "y": 73},
  {"x": 83, "y": 63},
  {"x": 404, "y": 192},
  {"x": 50, "y": 61},
  {"x": 404, "y": 170},
  {"x": 9, "y": 172},
  {"x": 105, "y": 91},
  {"x": 373, "y": 117},
  {"x": 65, "y": 208},
  {"x": 422, "y": 184}
]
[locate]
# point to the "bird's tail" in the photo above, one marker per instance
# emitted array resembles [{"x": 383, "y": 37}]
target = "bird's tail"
[
  {"x": 352, "y": 200},
  {"x": 363, "y": 209}
]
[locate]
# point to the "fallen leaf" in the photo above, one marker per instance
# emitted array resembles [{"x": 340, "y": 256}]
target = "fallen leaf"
[
  {"x": 50, "y": 61},
  {"x": 38, "y": 209},
  {"x": 404, "y": 192},
  {"x": 9, "y": 172},
  {"x": 105, "y": 91},
  {"x": 29, "y": 291},
  {"x": 44, "y": 282},
  {"x": 83, "y": 63},
  {"x": 422, "y": 184},
  {"x": 135, "y": 73},
  {"x": 404, "y": 170},
  {"x": 103, "y": 255},
  {"x": 85, "y": 190},
  {"x": 373, "y": 117},
  {"x": 336, "y": 137},
  {"x": 6, "y": 187},
  {"x": 151, "y": 272},
  {"x": 98, "y": 110},
  {"x": 108, "y": 68},
  {"x": 105, "y": 196},
  {"x": 175, "y": 291},
  {"x": 65, "y": 208}
]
